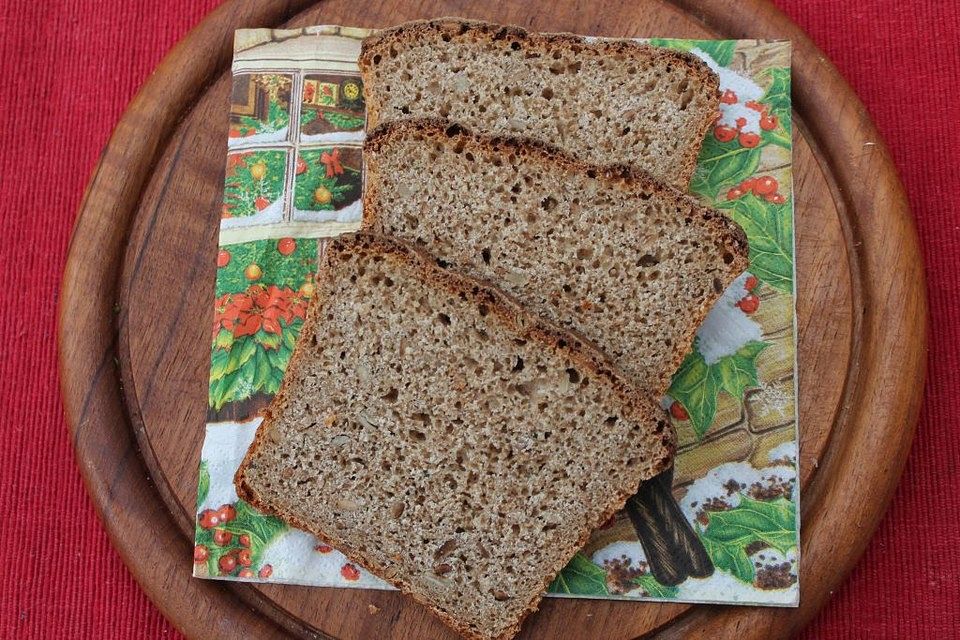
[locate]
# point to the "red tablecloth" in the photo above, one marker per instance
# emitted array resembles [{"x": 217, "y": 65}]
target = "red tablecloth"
[{"x": 68, "y": 70}]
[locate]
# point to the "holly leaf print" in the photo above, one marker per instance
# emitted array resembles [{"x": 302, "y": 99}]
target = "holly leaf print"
[
  {"x": 653, "y": 589},
  {"x": 769, "y": 230},
  {"x": 580, "y": 577},
  {"x": 728, "y": 533},
  {"x": 777, "y": 95},
  {"x": 721, "y": 165},
  {"x": 730, "y": 558},
  {"x": 738, "y": 372},
  {"x": 695, "y": 386}
]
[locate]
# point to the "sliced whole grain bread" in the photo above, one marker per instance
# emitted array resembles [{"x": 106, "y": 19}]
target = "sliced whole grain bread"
[
  {"x": 630, "y": 264},
  {"x": 446, "y": 439},
  {"x": 603, "y": 101}
]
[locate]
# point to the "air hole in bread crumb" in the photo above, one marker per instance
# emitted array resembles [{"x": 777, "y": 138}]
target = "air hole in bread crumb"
[
  {"x": 547, "y": 93},
  {"x": 485, "y": 254},
  {"x": 548, "y": 204},
  {"x": 416, "y": 435},
  {"x": 518, "y": 365},
  {"x": 647, "y": 260},
  {"x": 727, "y": 257},
  {"x": 392, "y": 395},
  {"x": 443, "y": 318},
  {"x": 573, "y": 375},
  {"x": 483, "y": 310}
]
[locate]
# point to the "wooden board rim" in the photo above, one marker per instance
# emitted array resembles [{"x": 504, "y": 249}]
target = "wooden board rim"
[{"x": 90, "y": 383}]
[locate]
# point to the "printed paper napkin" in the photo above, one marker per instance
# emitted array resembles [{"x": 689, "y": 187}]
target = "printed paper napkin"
[{"x": 294, "y": 177}]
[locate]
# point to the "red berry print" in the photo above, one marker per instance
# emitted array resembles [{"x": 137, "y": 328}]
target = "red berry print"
[
  {"x": 728, "y": 97},
  {"x": 223, "y": 258},
  {"x": 749, "y": 140},
  {"x": 776, "y": 198},
  {"x": 227, "y": 564},
  {"x": 301, "y": 165},
  {"x": 261, "y": 203},
  {"x": 751, "y": 283},
  {"x": 323, "y": 548},
  {"x": 244, "y": 558},
  {"x": 349, "y": 572},
  {"x": 286, "y": 246},
  {"x": 748, "y": 185},
  {"x": 734, "y": 193},
  {"x": 222, "y": 537},
  {"x": 245, "y": 573},
  {"x": 766, "y": 185},
  {"x": 200, "y": 553},
  {"x": 678, "y": 411},
  {"x": 756, "y": 106},
  {"x": 769, "y": 122},
  {"x": 724, "y": 133},
  {"x": 244, "y": 540},
  {"x": 741, "y": 123},
  {"x": 265, "y": 571},
  {"x": 209, "y": 519},
  {"x": 226, "y": 513},
  {"x": 749, "y": 303}
]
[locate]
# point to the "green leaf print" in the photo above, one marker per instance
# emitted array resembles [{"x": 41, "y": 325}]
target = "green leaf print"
[
  {"x": 722, "y": 165},
  {"x": 653, "y": 589},
  {"x": 738, "y": 372},
  {"x": 769, "y": 229},
  {"x": 771, "y": 522},
  {"x": 777, "y": 95},
  {"x": 730, "y": 558},
  {"x": 580, "y": 577},
  {"x": 730, "y": 532},
  {"x": 695, "y": 386}
]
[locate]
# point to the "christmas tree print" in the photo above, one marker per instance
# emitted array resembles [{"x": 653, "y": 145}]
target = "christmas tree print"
[
  {"x": 263, "y": 289},
  {"x": 253, "y": 183},
  {"x": 327, "y": 179},
  {"x": 260, "y": 104}
]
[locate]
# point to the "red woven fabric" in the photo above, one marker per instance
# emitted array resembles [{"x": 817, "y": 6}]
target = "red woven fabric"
[{"x": 68, "y": 68}]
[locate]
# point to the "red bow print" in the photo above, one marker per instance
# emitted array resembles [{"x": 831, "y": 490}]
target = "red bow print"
[{"x": 332, "y": 162}]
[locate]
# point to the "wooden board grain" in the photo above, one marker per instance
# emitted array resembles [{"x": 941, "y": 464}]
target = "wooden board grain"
[{"x": 134, "y": 345}]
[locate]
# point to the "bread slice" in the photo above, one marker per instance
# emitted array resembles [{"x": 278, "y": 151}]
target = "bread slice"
[
  {"x": 444, "y": 438},
  {"x": 603, "y": 101},
  {"x": 630, "y": 264}
]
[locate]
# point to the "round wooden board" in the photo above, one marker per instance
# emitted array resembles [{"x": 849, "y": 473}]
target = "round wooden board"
[{"x": 139, "y": 281}]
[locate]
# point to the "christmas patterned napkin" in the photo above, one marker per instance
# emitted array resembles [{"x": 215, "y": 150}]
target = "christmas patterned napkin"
[{"x": 294, "y": 178}]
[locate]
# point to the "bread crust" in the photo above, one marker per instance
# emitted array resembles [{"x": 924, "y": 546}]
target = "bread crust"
[
  {"x": 452, "y": 29},
  {"x": 517, "y": 320},
  {"x": 615, "y": 176}
]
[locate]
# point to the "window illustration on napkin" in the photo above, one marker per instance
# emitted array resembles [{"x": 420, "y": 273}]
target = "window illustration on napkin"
[{"x": 721, "y": 525}]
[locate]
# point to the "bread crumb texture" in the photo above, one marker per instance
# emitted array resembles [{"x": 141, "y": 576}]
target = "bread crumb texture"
[{"x": 439, "y": 435}]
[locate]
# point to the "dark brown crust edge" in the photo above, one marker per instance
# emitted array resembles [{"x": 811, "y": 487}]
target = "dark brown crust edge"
[
  {"x": 517, "y": 320},
  {"x": 617, "y": 176},
  {"x": 461, "y": 29}
]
